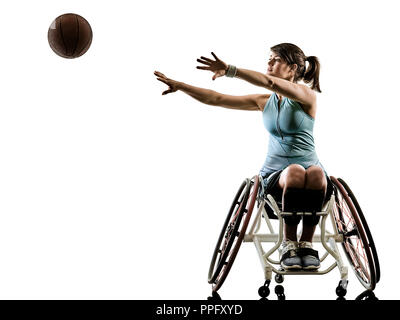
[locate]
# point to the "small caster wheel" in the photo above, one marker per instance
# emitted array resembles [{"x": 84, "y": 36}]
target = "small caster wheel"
[
  {"x": 281, "y": 297},
  {"x": 263, "y": 292},
  {"x": 341, "y": 289},
  {"x": 279, "y": 290},
  {"x": 279, "y": 278},
  {"x": 367, "y": 295},
  {"x": 341, "y": 292},
  {"x": 214, "y": 297}
]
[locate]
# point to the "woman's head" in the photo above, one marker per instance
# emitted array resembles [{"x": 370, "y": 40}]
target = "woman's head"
[{"x": 289, "y": 61}]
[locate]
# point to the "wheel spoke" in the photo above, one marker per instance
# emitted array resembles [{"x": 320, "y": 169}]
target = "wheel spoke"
[{"x": 360, "y": 261}]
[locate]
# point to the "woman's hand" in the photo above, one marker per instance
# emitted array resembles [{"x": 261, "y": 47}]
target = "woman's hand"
[
  {"x": 172, "y": 84},
  {"x": 218, "y": 66}
]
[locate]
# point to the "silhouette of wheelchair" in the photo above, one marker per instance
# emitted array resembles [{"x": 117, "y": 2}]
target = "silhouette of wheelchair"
[{"x": 348, "y": 227}]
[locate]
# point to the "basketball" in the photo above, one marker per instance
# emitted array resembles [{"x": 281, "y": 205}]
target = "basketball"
[{"x": 70, "y": 35}]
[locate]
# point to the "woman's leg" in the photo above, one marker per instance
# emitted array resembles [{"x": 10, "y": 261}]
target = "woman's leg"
[
  {"x": 293, "y": 177},
  {"x": 315, "y": 179}
]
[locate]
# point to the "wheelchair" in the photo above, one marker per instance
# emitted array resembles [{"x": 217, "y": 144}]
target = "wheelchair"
[{"x": 348, "y": 227}]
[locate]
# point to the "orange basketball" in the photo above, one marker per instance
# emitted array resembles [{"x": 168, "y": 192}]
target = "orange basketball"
[{"x": 70, "y": 35}]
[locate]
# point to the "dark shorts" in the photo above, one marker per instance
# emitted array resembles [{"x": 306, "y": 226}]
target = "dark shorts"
[{"x": 271, "y": 186}]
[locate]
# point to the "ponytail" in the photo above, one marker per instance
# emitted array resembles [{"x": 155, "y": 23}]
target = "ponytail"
[{"x": 311, "y": 75}]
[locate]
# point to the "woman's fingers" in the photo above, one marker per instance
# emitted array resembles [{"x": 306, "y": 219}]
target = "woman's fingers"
[
  {"x": 161, "y": 77},
  {"x": 216, "y": 65},
  {"x": 159, "y": 74},
  {"x": 204, "y": 61},
  {"x": 207, "y": 59},
  {"x": 162, "y": 80},
  {"x": 170, "y": 83},
  {"x": 170, "y": 90},
  {"x": 216, "y": 58},
  {"x": 203, "y": 68}
]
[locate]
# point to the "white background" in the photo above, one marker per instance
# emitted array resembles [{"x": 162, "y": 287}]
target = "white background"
[{"x": 109, "y": 190}]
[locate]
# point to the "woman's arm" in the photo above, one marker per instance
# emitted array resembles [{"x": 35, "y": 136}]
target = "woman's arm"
[
  {"x": 291, "y": 90},
  {"x": 252, "y": 102},
  {"x": 294, "y": 91}
]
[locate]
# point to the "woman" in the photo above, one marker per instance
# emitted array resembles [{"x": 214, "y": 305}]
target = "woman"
[{"x": 292, "y": 171}]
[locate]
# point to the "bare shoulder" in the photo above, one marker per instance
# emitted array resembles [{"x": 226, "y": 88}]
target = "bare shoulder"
[
  {"x": 262, "y": 100},
  {"x": 309, "y": 93},
  {"x": 309, "y": 107}
]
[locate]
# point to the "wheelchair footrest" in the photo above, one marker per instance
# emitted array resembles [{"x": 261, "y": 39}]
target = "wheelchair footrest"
[{"x": 322, "y": 213}]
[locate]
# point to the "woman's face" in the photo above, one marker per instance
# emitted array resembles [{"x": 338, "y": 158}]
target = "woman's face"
[{"x": 277, "y": 67}]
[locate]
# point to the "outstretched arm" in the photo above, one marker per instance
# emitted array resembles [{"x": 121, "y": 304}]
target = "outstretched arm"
[
  {"x": 252, "y": 102},
  {"x": 294, "y": 91},
  {"x": 291, "y": 90}
]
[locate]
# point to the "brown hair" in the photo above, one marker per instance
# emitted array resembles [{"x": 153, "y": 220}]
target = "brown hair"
[{"x": 292, "y": 54}]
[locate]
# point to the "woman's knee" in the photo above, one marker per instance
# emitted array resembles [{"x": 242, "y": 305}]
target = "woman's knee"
[
  {"x": 294, "y": 176},
  {"x": 315, "y": 178}
]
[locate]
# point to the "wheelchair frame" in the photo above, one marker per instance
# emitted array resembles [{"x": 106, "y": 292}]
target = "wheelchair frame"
[
  {"x": 326, "y": 238},
  {"x": 347, "y": 222}
]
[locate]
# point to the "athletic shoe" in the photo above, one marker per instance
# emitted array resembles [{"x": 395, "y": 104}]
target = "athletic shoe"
[
  {"x": 288, "y": 255},
  {"x": 309, "y": 256}
]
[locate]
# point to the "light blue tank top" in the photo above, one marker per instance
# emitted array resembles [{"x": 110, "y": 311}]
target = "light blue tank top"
[{"x": 291, "y": 135}]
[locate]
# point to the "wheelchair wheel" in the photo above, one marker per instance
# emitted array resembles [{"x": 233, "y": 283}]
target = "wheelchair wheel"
[
  {"x": 366, "y": 228},
  {"x": 356, "y": 241},
  {"x": 233, "y": 232}
]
